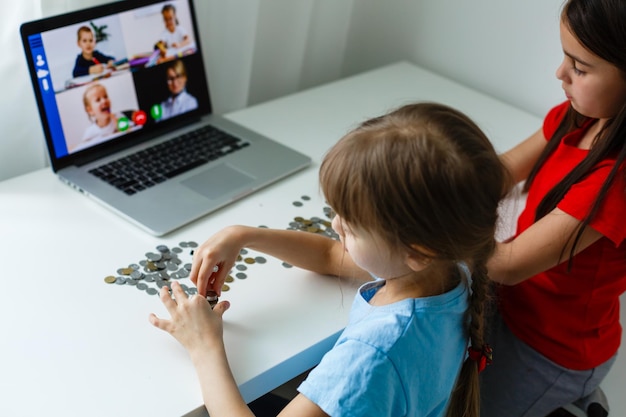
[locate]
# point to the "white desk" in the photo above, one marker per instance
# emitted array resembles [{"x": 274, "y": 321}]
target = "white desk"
[{"x": 73, "y": 346}]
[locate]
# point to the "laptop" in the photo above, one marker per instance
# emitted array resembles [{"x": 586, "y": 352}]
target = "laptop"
[{"x": 124, "y": 102}]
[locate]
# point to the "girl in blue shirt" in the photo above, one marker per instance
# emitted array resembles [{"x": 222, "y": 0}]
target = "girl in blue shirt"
[{"x": 415, "y": 194}]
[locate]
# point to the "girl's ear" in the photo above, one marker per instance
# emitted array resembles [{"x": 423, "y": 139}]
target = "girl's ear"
[{"x": 419, "y": 258}]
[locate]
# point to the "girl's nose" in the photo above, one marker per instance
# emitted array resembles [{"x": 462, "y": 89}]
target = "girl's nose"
[{"x": 561, "y": 73}]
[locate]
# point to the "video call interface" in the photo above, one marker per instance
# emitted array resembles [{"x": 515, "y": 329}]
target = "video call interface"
[{"x": 106, "y": 77}]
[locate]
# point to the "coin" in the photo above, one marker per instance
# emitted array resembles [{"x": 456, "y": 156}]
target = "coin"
[
  {"x": 249, "y": 260},
  {"x": 211, "y": 297},
  {"x": 109, "y": 279},
  {"x": 154, "y": 257}
]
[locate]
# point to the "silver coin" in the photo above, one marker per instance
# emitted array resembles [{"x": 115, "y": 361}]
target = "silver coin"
[
  {"x": 187, "y": 266},
  {"x": 136, "y": 275},
  {"x": 152, "y": 291},
  {"x": 120, "y": 280},
  {"x": 243, "y": 251},
  {"x": 149, "y": 278},
  {"x": 163, "y": 248},
  {"x": 192, "y": 244},
  {"x": 183, "y": 273},
  {"x": 176, "y": 249},
  {"x": 241, "y": 267},
  {"x": 153, "y": 257},
  {"x": 286, "y": 265},
  {"x": 305, "y": 197},
  {"x": 142, "y": 286},
  {"x": 162, "y": 284},
  {"x": 297, "y": 203},
  {"x": 241, "y": 275},
  {"x": 260, "y": 260},
  {"x": 183, "y": 245},
  {"x": 131, "y": 281}
]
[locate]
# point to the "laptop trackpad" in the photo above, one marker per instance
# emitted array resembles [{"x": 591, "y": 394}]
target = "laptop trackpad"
[{"x": 217, "y": 181}]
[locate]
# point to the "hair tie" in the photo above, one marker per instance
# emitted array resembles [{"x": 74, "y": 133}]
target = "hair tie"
[{"x": 482, "y": 357}]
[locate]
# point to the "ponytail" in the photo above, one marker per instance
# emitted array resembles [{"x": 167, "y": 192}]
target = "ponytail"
[{"x": 465, "y": 398}]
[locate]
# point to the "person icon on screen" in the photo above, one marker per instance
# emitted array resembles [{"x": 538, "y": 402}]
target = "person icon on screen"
[
  {"x": 179, "y": 101},
  {"x": 104, "y": 122},
  {"x": 90, "y": 61},
  {"x": 174, "y": 36}
]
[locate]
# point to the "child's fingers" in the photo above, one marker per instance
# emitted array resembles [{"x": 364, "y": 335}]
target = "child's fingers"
[
  {"x": 178, "y": 292},
  {"x": 221, "y": 307},
  {"x": 167, "y": 300},
  {"x": 159, "y": 323}
]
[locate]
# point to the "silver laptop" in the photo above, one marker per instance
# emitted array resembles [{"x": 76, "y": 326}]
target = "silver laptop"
[{"x": 123, "y": 97}]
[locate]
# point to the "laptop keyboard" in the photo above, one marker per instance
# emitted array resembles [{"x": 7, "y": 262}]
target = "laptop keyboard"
[{"x": 151, "y": 166}]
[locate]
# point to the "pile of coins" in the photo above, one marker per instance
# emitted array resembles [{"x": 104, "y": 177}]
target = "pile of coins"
[{"x": 158, "y": 268}]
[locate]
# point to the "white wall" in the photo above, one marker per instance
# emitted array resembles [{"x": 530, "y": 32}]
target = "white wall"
[
  {"x": 21, "y": 138},
  {"x": 261, "y": 49},
  {"x": 509, "y": 49}
]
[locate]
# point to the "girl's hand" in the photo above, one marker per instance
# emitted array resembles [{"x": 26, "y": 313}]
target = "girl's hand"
[
  {"x": 192, "y": 322},
  {"x": 96, "y": 69},
  {"x": 220, "y": 250}
]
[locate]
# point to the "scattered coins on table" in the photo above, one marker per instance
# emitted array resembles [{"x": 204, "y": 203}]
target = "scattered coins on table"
[{"x": 157, "y": 268}]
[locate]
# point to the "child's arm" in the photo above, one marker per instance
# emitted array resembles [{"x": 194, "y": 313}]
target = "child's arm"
[
  {"x": 538, "y": 248},
  {"x": 520, "y": 159},
  {"x": 200, "y": 330},
  {"x": 305, "y": 250},
  {"x": 186, "y": 41}
]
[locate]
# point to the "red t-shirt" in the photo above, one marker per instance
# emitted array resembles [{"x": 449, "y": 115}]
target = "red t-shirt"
[{"x": 573, "y": 318}]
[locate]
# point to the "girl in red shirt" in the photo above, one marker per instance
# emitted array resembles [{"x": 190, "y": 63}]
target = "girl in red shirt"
[{"x": 564, "y": 270}]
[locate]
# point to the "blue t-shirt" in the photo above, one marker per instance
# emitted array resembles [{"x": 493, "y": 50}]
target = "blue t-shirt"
[{"x": 400, "y": 359}]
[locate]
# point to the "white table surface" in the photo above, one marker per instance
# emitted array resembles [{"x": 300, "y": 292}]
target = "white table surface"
[{"x": 73, "y": 345}]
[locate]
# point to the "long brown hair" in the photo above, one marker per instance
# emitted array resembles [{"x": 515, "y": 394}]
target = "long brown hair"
[
  {"x": 599, "y": 26},
  {"x": 424, "y": 175}
]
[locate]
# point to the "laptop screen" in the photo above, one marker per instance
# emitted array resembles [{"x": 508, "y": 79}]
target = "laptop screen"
[{"x": 110, "y": 73}]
